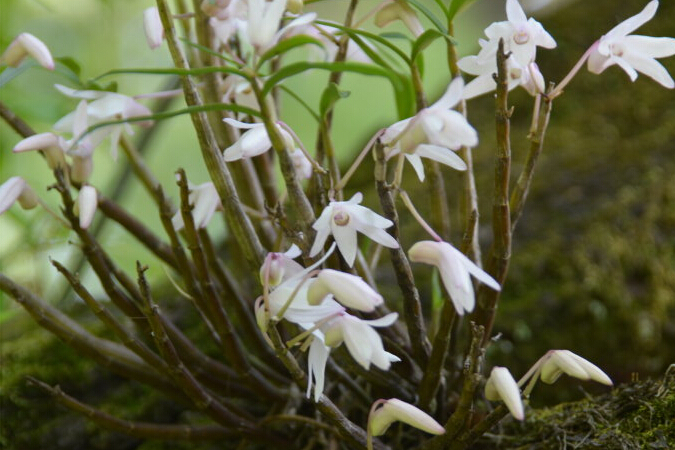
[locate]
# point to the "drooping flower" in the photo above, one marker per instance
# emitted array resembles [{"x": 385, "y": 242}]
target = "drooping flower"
[
  {"x": 362, "y": 341},
  {"x": 51, "y": 144},
  {"x": 343, "y": 220},
  {"x": 521, "y": 38},
  {"x": 16, "y": 189},
  {"x": 24, "y": 45},
  {"x": 501, "y": 386},
  {"x": 350, "y": 290},
  {"x": 393, "y": 410},
  {"x": 634, "y": 53},
  {"x": 152, "y": 25},
  {"x": 558, "y": 362},
  {"x": 433, "y": 133},
  {"x": 455, "y": 270},
  {"x": 205, "y": 201},
  {"x": 253, "y": 142}
]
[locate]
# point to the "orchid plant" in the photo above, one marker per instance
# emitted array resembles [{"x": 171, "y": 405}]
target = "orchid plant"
[{"x": 279, "y": 317}]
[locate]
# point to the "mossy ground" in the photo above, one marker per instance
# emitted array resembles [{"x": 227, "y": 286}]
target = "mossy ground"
[{"x": 635, "y": 416}]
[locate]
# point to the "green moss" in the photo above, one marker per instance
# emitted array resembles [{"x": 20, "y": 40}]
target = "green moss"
[{"x": 636, "y": 416}]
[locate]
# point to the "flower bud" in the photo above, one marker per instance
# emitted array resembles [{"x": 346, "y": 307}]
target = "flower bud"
[
  {"x": 26, "y": 44},
  {"x": 564, "y": 361},
  {"x": 152, "y": 25},
  {"x": 295, "y": 6},
  {"x": 81, "y": 169},
  {"x": 16, "y": 189},
  {"x": 86, "y": 205},
  {"x": 501, "y": 386},
  {"x": 398, "y": 10},
  {"x": 395, "y": 409}
]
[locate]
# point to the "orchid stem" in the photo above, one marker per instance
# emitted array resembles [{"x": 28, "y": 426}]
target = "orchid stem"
[{"x": 408, "y": 203}]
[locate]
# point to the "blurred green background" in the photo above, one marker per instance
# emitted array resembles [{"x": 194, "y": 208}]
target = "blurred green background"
[{"x": 593, "y": 265}]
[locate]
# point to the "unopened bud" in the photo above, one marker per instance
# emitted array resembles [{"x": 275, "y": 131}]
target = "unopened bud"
[
  {"x": 295, "y": 6},
  {"x": 26, "y": 44},
  {"x": 86, "y": 205},
  {"x": 152, "y": 24},
  {"x": 501, "y": 386},
  {"x": 397, "y": 410}
]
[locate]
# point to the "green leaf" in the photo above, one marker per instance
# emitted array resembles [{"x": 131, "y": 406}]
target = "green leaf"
[
  {"x": 395, "y": 35},
  {"x": 425, "y": 40},
  {"x": 10, "y": 73},
  {"x": 330, "y": 96},
  {"x": 368, "y": 50},
  {"x": 175, "y": 71},
  {"x": 210, "y": 51},
  {"x": 455, "y": 6},
  {"x": 288, "y": 44},
  {"x": 299, "y": 99},
  {"x": 402, "y": 86},
  {"x": 431, "y": 16},
  {"x": 70, "y": 63},
  {"x": 376, "y": 38}
]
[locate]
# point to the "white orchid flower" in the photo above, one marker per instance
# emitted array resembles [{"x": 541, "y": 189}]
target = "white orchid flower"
[
  {"x": 350, "y": 290},
  {"x": 393, "y": 410},
  {"x": 634, "y": 53},
  {"x": 24, "y": 45},
  {"x": 205, "y": 201},
  {"x": 362, "y": 341},
  {"x": 500, "y": 385},
  {"x": 303, "y": 166},
  {"x": 455, "y": 270},
  {"x": 521, "y": 38},
  {"x": 558, "y": 362},
  {"x": 255, "y": 141},
  {"x": 433, "y": 133},
  {"x": 343, "y": 220},
  {"x": 262, "y": 27},
  {"x": 16, "y": 189},
  {"x": 51, "y": 144},
  {"x": 103, "y": 106}
]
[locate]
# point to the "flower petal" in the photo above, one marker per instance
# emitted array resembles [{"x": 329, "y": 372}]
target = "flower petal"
[
  {"x": 416, "y": 162},
  {"x": 441, "y": 155},
  {"x": 633, "y": 23},
  {"x": 345, "y": 236}
]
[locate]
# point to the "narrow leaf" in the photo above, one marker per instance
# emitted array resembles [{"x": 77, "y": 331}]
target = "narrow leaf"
[
  {"x": 210, "y": 51},
  {"x": 431, "y": 16},
  {"x": 330, "y": 96},
  {"x": 455, "y": 6},
  {"x": 175, "y": 71},
  {"x": 288, "y": 44}
]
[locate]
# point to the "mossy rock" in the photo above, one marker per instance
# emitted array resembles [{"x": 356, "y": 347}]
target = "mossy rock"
[{"x": 635, "y": 416}]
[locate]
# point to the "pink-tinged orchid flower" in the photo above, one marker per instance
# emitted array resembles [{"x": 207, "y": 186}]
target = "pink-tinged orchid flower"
[
  {"x": 262, "y": 27},
  {"x": 501, "y": 386},
  {"x": 24, "y": 45},
  {"x": 278, "y": 267},
  {"x": 455, "y": 270},
  {"x": 343, "y": 220},
  {"x": 634, "y": 53}
]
